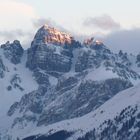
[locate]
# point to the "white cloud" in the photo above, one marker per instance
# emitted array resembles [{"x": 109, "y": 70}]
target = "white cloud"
[
  {"x": 38, "y": 22},
  {"x": 16, "y": 21},
  {"x": 127, "y": 40},
  {"x": 16, "y": 34},
  {"x": 15, "y": 14},
  {"x": 104, "y": 22}
]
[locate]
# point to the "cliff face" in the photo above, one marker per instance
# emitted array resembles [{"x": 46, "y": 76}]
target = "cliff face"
[{"x": 48, "y": 50}]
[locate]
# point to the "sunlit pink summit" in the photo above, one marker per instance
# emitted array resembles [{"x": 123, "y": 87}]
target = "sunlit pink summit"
[{"x": 53, "y": 36}]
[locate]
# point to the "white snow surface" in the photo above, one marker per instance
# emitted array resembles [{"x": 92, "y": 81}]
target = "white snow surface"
[{"x": 100, "y": 74}]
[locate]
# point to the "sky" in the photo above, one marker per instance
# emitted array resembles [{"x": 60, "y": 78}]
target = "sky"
[{"x": 116, "y": 22}]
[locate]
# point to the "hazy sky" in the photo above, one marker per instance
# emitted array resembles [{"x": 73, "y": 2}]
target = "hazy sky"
[{"x": 102, "y": 18}]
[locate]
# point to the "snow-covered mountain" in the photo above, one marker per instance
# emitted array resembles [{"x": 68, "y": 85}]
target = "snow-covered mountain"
[{"x": 59, "y": 78}]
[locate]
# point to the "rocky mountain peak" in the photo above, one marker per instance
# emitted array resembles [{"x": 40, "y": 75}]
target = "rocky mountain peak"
[
  {"x": 98, "y": 42},
  {"x": 13, "y": 51},
  {"x": 50, "y": 35},
  {"x": 9, "y": 44},
  {"x": 91, "y": 41}
]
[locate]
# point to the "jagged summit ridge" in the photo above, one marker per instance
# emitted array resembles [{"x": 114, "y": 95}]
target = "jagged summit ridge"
[{"x": 50, "y": 35}]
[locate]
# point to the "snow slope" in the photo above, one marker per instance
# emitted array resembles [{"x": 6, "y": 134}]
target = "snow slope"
[{"x": 100, "y": 74}]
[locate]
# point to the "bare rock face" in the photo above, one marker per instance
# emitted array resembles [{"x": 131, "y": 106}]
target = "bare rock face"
[
  {"x": 48, "y": 59},
  {"x": 50, "y": 35},
  {"x": 13, "y": 51},
  {"x": 50, "y": 50}
]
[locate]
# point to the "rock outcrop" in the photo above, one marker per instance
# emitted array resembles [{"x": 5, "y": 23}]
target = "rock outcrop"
[{"x": 13, "y": 51}]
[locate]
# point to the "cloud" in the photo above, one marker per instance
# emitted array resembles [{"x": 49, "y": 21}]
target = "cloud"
[
  {"x": 37, "y": 23},
  {"x": 104, "y": 22},
  {"x": 13, "y": 7},
  {"x": 127, "y": 40},
  {"x": 23, "y": 36},
  {"x": 15, "y": 14},
  {"x": 16, "y": 21},
  {"x": 12, "y": 34}
]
